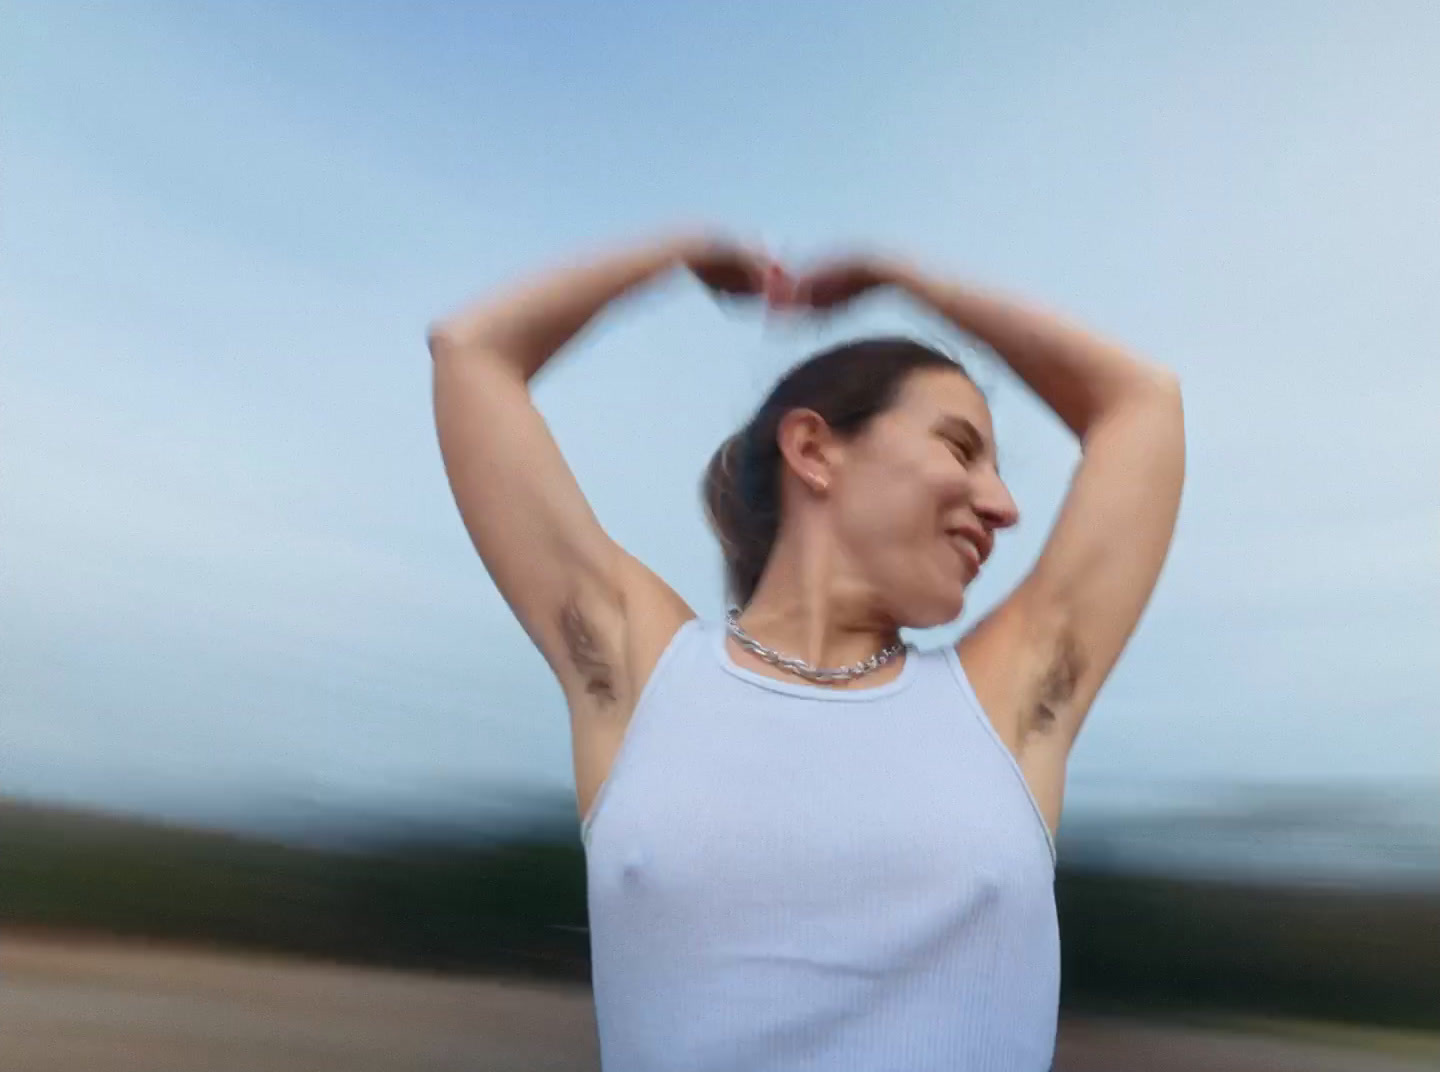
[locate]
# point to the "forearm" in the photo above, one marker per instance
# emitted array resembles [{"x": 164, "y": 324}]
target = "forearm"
[
  {"x": 526, "y": 325},
  {"x": 1084, "y": 379}
]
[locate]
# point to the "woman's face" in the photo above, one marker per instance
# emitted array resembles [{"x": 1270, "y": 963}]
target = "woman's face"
[{"x": 916, "y": 498}]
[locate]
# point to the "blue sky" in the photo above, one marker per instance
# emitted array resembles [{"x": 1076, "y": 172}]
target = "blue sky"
[{"x": 231, "y": 567}]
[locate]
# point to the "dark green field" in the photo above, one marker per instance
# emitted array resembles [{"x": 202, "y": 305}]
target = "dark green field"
[{"x": 1131, "y": 944}]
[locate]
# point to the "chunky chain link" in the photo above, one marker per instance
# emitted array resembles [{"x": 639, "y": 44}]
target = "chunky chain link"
[{"x": 800, "y": 668}]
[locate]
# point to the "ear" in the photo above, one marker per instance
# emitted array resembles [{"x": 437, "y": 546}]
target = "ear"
[{"x": 810, "y": 448}]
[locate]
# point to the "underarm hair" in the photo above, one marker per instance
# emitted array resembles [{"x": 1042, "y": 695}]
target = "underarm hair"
[
  {"x": 1057, "y": 688},
  {"x": 585, "y": 653}
]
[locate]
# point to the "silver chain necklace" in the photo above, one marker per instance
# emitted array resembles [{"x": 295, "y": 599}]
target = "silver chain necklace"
[{"x": 799, "y": 667}]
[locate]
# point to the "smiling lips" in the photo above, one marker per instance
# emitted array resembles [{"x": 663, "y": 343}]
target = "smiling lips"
[{"x": 973, "y": 545}]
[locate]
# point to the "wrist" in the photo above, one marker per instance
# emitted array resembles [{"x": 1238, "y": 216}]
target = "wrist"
[
  {"x": 679, "y": 250},
  {"x": 892, "y": 272}
]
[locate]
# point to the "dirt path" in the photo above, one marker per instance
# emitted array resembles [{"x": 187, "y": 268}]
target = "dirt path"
[
  {"x": 68, "y": 1006},
  {"x": 81, "y": 1007},
  {"x": 1124, "y": 1045}
]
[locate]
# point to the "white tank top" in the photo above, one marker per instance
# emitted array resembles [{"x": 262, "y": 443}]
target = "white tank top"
[{"x": 784, "y": 876}]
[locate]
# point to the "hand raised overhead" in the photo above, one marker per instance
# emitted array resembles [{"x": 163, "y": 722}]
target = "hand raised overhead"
[
  {"x": 736, "y": 271},
  {"x": 837, "y": 282},
  {"x": 733, "y": 270}
]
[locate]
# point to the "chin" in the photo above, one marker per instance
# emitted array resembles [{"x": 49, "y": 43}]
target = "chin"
[{"x": 935, "y": 610}]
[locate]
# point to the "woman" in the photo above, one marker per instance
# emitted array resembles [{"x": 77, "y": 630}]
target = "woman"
[{"x": 810, "y": 846}]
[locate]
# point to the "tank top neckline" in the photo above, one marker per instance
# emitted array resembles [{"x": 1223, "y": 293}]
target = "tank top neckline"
[{"x": 720, "y": 649}]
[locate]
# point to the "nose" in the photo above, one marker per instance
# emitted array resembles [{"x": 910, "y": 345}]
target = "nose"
[{"x": 993, "y": 503}]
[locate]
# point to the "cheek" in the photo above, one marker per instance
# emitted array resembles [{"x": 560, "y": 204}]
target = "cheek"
[
  {"x": 952, "y": 485},
  {"x": 902, "y": 503},
  {"x": 938, "y": 488}
]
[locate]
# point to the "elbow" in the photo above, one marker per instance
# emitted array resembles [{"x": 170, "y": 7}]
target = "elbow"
[
  {"x": 450, "y": 342},
  {"x": 1169, "y": 395},
  {"x": 1157, "y": 390},
  {"x": 441, "y": 339},
  {"x": 1167, "y": 418},
  {"x": 1149, "y": 404},
  {"x": 1168, "y": 381},
  {"x": 464, "y": 342},
  {"x": 1158, "y": 383},
  {"x": 1141, "y": 391}
]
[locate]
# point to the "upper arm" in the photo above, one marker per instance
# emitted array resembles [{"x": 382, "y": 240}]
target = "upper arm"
[
  {"x": 552, "y": 561},
  {"x": 1047, "y": 650}
]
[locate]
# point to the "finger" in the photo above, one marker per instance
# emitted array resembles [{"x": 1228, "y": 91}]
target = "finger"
[
  {"x": 803, "y": 291},
  {"x": 747, "y": 269},
  {"x": 778, "y": 287}
]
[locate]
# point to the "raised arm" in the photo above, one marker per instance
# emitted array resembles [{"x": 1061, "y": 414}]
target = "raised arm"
[
  {"x": 1038, "y": 661},
  {"x": 565, "y": 579},
  {"x": 1040, "y": 658}
]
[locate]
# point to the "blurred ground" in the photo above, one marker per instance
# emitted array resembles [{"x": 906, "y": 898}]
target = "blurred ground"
[{"x": 68, "y": 1005}]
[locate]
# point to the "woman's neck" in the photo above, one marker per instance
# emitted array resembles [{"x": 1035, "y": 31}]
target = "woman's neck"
[{"x": 808, "y": 606}]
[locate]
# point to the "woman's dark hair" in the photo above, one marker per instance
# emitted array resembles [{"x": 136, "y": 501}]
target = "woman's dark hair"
[{"x": 847, "y": 385}]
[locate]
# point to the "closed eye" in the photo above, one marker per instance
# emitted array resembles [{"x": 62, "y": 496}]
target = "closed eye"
[
  {"x": 966, "y": 452},
  {"x": 963, "y": 439}
]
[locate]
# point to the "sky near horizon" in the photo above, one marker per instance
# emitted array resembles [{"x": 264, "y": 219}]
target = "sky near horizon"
[{"x": 230, "y": 567}]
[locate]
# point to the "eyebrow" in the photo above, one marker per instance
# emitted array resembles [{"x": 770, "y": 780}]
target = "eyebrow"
[{"x": 962, "y": 428}]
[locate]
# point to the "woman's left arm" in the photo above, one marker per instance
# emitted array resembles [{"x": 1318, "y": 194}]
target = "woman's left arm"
[{"x": 1053, "y": 642}]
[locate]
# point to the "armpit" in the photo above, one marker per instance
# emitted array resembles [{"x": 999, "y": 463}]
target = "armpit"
[
  {"x": 1057, "y": 687},
  {"x": 596, "y": 671}
]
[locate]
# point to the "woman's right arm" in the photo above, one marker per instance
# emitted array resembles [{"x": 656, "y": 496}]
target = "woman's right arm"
[{"x": 567, "y": 582}]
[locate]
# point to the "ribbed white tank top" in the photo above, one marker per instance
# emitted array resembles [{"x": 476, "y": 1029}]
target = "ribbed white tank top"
[{"x": 784, "y": 877}]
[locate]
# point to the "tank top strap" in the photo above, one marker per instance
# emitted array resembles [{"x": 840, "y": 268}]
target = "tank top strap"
[
  {"x": 948, "y": 657},
  {"x": 675, "y": 667}
]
